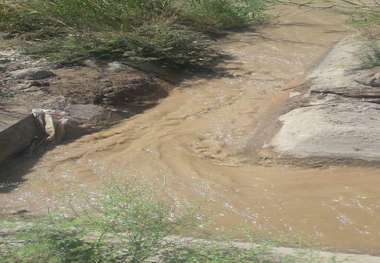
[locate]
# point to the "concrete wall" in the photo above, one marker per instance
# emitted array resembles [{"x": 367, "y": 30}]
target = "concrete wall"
[{"x": 19, "y": 136}]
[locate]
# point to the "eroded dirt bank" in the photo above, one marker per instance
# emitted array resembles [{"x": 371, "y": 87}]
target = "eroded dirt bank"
[{"x": 199, "y": 145}]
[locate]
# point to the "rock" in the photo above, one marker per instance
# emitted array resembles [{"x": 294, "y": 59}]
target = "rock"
[
  {"x": 348, "y": 129},
  {"x": 342, "y": 117},
  {"x": 34, "y": 89},
  {"x": 41, "y": 74},
  {"x": 294, "y": 94},
  {"x": 4, "y": 64},
  {"x": 375, "y": 80},
  {"x": 20, "y": 212},
  {"x": 18, "y": 136},
  {"x": 5, "y": 35},
  {"x": 31, "y": 74},
  {"x": 107, "y": 84},
  {"x": 86, "y": 112},
  {"x": 131, "y": 93},
  {"x": 36, "y": 83},
  {"x": 86, "y": 118},
  {"x": 116, "y": 67},
  {"x": 4, "y": 60},
  {"x": 75, "y": 121},
  {"x": 53, "y": 123},
  {"x": 90, "y": 63},
  {"x": 369, "y": 79}
]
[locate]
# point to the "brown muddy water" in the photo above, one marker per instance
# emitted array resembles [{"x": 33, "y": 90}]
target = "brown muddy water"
[{"x": 196, "y": 145}]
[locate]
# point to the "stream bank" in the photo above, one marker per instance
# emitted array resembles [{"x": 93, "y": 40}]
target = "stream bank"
[{"x": 199, "y": 145}]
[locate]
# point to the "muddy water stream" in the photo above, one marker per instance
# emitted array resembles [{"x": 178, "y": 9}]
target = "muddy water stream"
[{"x": 196, "y": 146}]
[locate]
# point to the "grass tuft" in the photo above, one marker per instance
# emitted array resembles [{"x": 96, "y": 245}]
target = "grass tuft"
[{"x": 214, "y": 15}]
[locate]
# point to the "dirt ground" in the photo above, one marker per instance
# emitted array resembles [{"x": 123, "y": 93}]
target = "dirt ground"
[{"x": 113, "y": 85}]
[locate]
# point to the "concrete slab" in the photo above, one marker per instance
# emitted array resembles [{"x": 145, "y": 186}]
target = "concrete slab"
[
  {"x": 8, "y": 119},
  {"x": 17, "y": 132}
]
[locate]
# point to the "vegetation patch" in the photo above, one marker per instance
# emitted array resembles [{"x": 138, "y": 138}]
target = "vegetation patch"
[
  {"x": 169, "y": 33},
  {"x": 366, "y": 18},
  {"x": 127, "y": 224},
  {"x": 214, "y": 15},
  {"x": 216, "y": 254},
  {"x": 371, "y": 57}
]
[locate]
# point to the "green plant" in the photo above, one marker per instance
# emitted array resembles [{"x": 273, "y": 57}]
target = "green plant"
[
  {"x": 18, "y": 18},
  {"x": 127, "y": 224},
  {"x": 161, "y": 44},
  {"x": 371, "y": 57},
  {"x": 136, "y": 220},
  {"x": 366, "y": 17},
  {"x": 55, "y": 240},
  {"x": 168, "y": 33},
  {"x": 216, "y": 254},
  {"x": 98, "y": 15},
  {"x": 172, "y": 45},
  {"x": 212, "y": 15}
]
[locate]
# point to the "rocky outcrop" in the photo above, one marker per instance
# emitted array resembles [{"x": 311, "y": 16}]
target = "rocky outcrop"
[
  {"x": 75, "y": 121},
  {"x": 32, "y": 74},
  {"x": 342, "y": 116}
]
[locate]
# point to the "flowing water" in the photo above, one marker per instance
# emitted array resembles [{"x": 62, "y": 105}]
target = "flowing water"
[{"x": 197, "y": 146}]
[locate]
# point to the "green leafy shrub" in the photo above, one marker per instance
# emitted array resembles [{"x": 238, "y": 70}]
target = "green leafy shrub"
[{"x": 137, "y": 220}]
